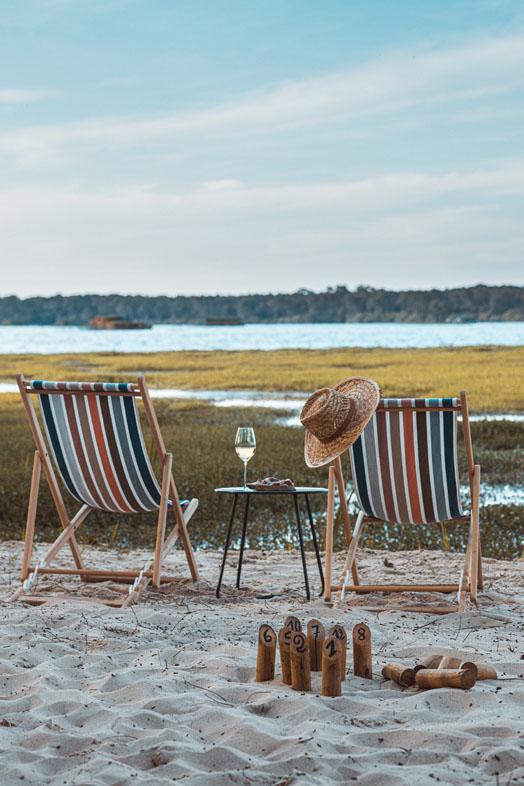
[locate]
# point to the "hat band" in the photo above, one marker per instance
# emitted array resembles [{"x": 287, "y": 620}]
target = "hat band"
[{"x": 340, "y": 430}]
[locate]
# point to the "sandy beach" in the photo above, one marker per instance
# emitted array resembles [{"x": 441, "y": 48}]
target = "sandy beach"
[{"x": 164, "y": 691}]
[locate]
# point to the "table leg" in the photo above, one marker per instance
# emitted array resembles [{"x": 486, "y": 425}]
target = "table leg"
[
  {"x": 315, "y": 544},
  {"x": 243, "y": 541},
  {"x": 228, "y": 540},
  {"x": 301, "y": 539}
]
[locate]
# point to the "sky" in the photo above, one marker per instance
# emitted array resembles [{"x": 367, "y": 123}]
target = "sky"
[{"x": 231, "y": 146}]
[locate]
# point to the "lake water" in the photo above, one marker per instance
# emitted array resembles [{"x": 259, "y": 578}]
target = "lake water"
[{"x": 49, "y": 340}]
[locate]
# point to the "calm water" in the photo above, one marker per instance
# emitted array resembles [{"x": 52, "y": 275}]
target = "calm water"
[{"x": 48, "y": 340}]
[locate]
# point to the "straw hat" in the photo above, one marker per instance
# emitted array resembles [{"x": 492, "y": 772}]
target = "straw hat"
[{"x": 334, "y": 418}]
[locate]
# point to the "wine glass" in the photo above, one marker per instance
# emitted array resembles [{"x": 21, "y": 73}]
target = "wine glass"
[{"x": 245, "y": 445}]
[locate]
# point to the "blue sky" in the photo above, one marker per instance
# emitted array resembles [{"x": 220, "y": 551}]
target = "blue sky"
[{"x": 163, "y": 146}]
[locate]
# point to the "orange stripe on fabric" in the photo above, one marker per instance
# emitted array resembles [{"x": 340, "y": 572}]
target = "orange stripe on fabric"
[
  {"x": 106, "y": 462},
  {"x": 411, "y": 472}
]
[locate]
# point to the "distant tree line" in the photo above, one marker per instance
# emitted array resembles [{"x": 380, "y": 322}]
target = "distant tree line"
[{"x": 336, "y": 304}]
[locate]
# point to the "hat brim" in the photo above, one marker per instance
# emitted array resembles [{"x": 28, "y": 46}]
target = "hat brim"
[{"x": 365, "y": 394}]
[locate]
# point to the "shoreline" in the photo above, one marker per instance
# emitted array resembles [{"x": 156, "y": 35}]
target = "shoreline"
[{"x": 290, "y": 401}]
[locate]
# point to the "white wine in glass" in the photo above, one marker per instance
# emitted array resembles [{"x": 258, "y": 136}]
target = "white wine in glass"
[{"x": 245, "y": 446}]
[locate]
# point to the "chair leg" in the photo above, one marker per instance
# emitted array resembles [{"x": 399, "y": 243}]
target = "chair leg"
[
  {"x": 66, "y": 534},
  {"x": 344, "y": 511},
  {"x": 183, "y": 533},
  {"x": 329, "y": 534},
  {"x": 315, "y": 544},
  {"x": 226, "y": 546},
  {"x": 162, "y": 518},
  {"x": 188, "y": 549},
  {"x": 463, "y": 587},
  {"x": 243, "y": 539},
  {"x": 31, "y": 516},
  {"x": 301, "y": 541},
  {"x": 173, "y": 536},
  {"x": 351, "y": 555},
  {"x": 480, "y": 582},
  {"x": 475, "y": 535}
]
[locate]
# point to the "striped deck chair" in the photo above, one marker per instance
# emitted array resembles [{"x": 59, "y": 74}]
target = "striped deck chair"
[
  {"x": 94, "y": 436},
  {"x": 404, "y": 470}
]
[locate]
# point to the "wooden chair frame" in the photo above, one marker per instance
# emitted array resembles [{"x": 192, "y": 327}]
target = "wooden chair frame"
[
  {"x": 138, "y": 579},
  {"x": 471, "y": 578}
]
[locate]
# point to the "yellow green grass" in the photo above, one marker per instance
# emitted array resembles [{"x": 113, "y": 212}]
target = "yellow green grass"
[{"x": 493, "y": 376}]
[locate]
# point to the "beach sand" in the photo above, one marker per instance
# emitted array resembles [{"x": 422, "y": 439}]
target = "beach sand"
[{"x": 164, "y": 691}]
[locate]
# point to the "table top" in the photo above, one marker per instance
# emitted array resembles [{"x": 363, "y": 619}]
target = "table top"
[{"x": 289, "y": 490}]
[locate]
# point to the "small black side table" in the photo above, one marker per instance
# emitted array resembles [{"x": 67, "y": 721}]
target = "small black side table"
[{"x": 295, "y": 492}]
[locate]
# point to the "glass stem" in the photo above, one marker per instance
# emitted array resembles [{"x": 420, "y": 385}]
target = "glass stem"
[{"x": 245, "y": 474}]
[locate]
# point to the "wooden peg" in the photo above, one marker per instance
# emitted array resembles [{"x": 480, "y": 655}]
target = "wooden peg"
[
  {"x": 267, "y": 647},
  {"x": 315, "y": 636},
  {"x": 342, "y": 638},
  {"x": 485, "y": 671},
  {"x": 300, "y": 667},
  {"x": 331, "y": 654},
  {"x": 448, "y": 662},
  {"x": 284, "y": 643},
  {"x": 362, "y": 665},
  {"x": 400, "y": 674},
  {"x": 445, "y": 678},
  {"x": 293, "y": 622}
]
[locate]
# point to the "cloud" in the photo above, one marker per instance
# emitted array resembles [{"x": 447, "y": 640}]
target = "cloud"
[
  {"x": 384, "y": 193},
  {"x": 387, "y": 84},
  {"x": 17, "y": 96},
  {"x": 399, "y": 230}
]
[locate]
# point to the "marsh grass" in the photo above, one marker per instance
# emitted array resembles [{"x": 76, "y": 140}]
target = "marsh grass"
[
  {"x": 493, "y": 376},
  {"x": 201, "y": 438}
]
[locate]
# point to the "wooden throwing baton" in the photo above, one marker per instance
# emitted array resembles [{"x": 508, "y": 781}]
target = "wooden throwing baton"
[
  {"x": 485, "y": 671},
  {"x": 446, "y": 678},
  {"x": 400, "y": 674},
  {"x": 429, "y": 662},
  {"x": 449, "y": 662}
]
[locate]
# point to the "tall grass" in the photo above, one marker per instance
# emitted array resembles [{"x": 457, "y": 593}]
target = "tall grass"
[{"x": 201, "y": 438}]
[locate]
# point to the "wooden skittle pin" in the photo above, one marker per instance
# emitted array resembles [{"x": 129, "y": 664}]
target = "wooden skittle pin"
[
  {"x": 292, "y": 622},
  {"x": 266, "y": 651},
  {"x": 315, "y": 636},
  {"x": 284, "y": 644},
  {"x": 331, "y": 683},
  {"x": 342, "y": 638},
  {"x": 362, "y": 665},
  {"x": 300, "y": 668}
]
